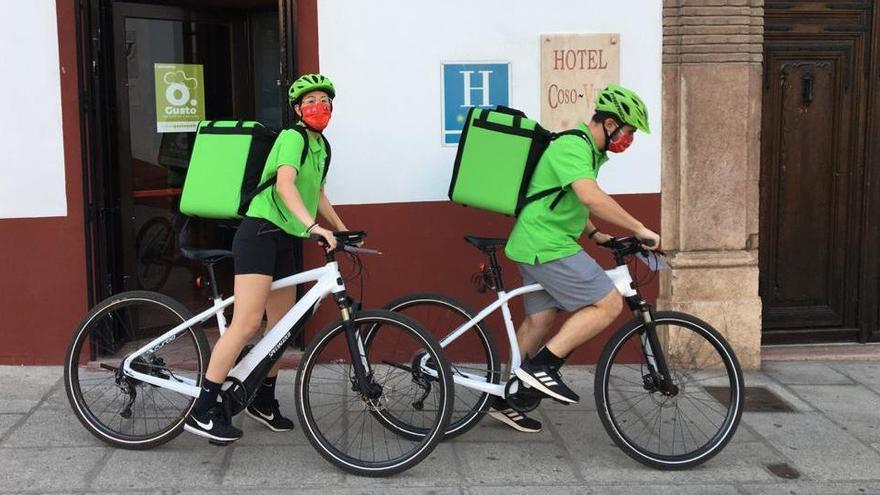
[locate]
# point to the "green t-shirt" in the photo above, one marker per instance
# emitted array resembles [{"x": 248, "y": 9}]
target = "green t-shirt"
[
  {"x": 541, "y": 234},
  {"x": 287, "y": 150}
]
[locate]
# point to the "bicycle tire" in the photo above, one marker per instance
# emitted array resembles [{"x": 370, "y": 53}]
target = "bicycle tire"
[
  {"x": 310, "y": 420},
  {"x": 74, "y": 355},
  {"x": 731, "y": 377}
]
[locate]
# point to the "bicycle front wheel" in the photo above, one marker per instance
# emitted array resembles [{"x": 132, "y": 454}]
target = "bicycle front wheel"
[
  {"x": 686, "y": 426},
  {"x": 351, "y": 430},
  {"x": 120, "y": 410}
]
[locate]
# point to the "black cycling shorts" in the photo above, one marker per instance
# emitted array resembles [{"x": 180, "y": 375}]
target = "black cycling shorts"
[{"x": 261, "y": 247}]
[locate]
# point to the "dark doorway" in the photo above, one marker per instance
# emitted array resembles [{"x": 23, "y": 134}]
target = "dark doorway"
[
  {"x": 815, "y": 216},
  {"x": 135, "y": 166}
]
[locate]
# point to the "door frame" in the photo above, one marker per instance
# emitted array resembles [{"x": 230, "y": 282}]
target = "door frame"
[
  {"x": 100, "y": 137},
  {"x": 869, "y": 284},
  {"x": 241, "y": 89},
  {"x": 867, "y": 206}
]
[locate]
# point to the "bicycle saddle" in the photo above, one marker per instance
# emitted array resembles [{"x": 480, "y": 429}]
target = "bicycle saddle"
[
  {"x": 485, "y": 243},
  {"x": 209, "y": 256}
]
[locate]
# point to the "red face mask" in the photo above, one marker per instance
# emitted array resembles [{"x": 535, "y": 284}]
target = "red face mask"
[
  {"x": 316, "y": 116},
  {"x": 620, "y": 144}
]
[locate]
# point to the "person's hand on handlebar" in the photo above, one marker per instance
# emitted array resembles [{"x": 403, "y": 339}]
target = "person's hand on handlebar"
[
  {"x": 600, "y": 238},
  {"x": 650, "y": 239},
  {"x": 328, "y": 236}
]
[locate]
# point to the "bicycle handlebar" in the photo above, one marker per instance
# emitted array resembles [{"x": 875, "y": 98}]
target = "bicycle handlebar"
[
  {"x": 359, "y": 250},
  {"x": 346, "y": 241},
  {"x": 625, "y": 246}
]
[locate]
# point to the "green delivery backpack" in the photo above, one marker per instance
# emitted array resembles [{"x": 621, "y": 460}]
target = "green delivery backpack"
[
  {"x": 497, "y": 155},
  {"x": 226, "y": 166}
]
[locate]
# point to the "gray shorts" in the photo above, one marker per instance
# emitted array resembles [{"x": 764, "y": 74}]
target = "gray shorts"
[{"x": 569, "y": 283}]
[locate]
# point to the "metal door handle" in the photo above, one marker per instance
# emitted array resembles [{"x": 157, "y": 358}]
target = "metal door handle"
[{"x": 807, "y": 88}]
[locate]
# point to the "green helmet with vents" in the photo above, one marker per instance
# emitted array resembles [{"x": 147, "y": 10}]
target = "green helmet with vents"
[
  {"x": 310, "y": 82},
  {"x": 625, "y": 104}
]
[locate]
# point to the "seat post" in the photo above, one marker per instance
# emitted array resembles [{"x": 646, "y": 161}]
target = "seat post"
[
  {"x": 213, "y": 280},
  {"x": 496, "y": 269}
]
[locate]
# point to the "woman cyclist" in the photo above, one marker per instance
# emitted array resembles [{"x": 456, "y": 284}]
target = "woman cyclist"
[{"x": 263, "y": 252}]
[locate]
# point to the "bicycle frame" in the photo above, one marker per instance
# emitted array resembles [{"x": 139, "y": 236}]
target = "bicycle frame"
[
  {"x": 622, "y": 279},
  {"x": 328, "y": 281}
]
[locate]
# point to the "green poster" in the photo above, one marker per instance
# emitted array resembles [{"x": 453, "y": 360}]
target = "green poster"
[{"x": 180, "y": 97}]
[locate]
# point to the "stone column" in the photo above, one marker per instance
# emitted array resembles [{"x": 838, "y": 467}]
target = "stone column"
[{"x": 712, "y": 54}]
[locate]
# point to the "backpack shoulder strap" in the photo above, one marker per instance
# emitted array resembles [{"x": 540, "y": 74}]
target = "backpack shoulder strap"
[
  {"x": 302, "y": 132},
  {"x": 327, "y": 159},
  {"x": 574, "y": 132},
  {"x": 305, "y": 136},
  {"x": 559, "y": 191},
  {"x": 270, "y": 181}
]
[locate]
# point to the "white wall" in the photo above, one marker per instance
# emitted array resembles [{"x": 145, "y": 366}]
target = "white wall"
[
  {"x": 385, "y": 58},
  {"x": 31, "y": 145}
]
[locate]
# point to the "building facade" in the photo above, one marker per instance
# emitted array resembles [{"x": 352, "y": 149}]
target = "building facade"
[{"x": 760, "y": 173}]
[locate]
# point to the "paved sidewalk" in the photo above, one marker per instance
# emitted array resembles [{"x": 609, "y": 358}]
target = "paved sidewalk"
[{"x": 831, "y": 442}]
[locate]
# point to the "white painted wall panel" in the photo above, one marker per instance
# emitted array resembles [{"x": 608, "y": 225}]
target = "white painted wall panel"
[
  {"x": 385, "y": 57},
  {"x": 31, "y": 144}
]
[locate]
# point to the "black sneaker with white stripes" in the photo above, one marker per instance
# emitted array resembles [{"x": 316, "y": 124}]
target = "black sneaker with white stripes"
[
  {"x": 269, "y": 415},
  {"x": 546, "y": 379},
  {"x": 213, "y": 425},
  {"x": 501, "y": 411}
]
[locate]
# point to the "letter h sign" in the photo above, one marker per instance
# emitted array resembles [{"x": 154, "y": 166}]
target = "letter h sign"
[{"x": 471, "y": 84}]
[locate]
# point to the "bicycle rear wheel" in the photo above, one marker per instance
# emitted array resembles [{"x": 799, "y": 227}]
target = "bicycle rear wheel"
[
  {"x": 120, "y": 410},
  {"x": 473, "y": 354},
  {"x": 349, "y": 429},
  {"x": 689, "y": 425}
]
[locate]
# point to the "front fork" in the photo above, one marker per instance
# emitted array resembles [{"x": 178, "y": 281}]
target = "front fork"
[
  {"x": 658, "y": 377},
  {"x": 363, "y": 375}
]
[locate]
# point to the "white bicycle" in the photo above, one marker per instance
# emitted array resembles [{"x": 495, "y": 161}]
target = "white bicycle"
[
  {"x": 668, "y": 387},
  {"x": 136, "y": 362}
]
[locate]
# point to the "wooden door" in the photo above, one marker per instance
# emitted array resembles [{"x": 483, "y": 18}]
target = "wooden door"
[{"x": 813, "y": 193}]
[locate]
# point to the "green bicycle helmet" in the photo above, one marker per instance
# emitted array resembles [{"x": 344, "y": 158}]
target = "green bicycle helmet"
[
  {"x": 625, "y": 104},
  {"x": 310, "y": 82}
]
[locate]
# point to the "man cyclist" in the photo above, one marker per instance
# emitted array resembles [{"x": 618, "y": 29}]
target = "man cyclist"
[{"x": 544, "y": 243}]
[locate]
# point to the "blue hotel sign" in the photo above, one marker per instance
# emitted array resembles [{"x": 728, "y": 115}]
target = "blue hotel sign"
[{"x": 468, "y": 85}]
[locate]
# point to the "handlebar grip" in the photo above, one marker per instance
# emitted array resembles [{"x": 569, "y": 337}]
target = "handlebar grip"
[{"x": 647, "y": 242}]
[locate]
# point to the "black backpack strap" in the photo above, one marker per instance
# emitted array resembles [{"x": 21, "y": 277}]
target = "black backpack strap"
[
  {"x": 302, "y": 132},
  {"x": 327, "y": 159},
  {"x": 559, "y": 191},
  {"x": 305, "y": 136},
  {"x": 543, "y": 194},
  {"x": 253, "y": 194},
  {"x": 271, "y": 180}
]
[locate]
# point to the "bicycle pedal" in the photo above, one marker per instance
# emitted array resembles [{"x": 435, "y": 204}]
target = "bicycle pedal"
[{"x": 219, "y": 443}]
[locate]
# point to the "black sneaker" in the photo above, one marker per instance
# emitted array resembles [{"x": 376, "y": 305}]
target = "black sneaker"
[
  {"x": 501, "y": 411},
  {"x": 269, "y": 415},
  {"x": 213, "y": 425},
  {"x": 547, "y": 380}
]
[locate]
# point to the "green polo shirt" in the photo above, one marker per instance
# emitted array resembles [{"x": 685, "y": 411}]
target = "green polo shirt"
[
  {"x": 287, "y": 151},
  {"x": 541, "y": 234}
]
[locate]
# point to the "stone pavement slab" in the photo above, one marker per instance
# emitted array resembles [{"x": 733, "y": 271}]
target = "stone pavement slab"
[
  {"x": 23, "y": 387},
  {"x": 7, "y": 421},
  {"x": 817, "y": 447},
  {"x": 42, "y": 470},
  {"x": 854, "y": 408},
  {"x": 811, "y": 488},
  {"x": 802, "y": 373},
  {"x": 831, "y": 440},
  {"x": 868, "y": 374}
]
